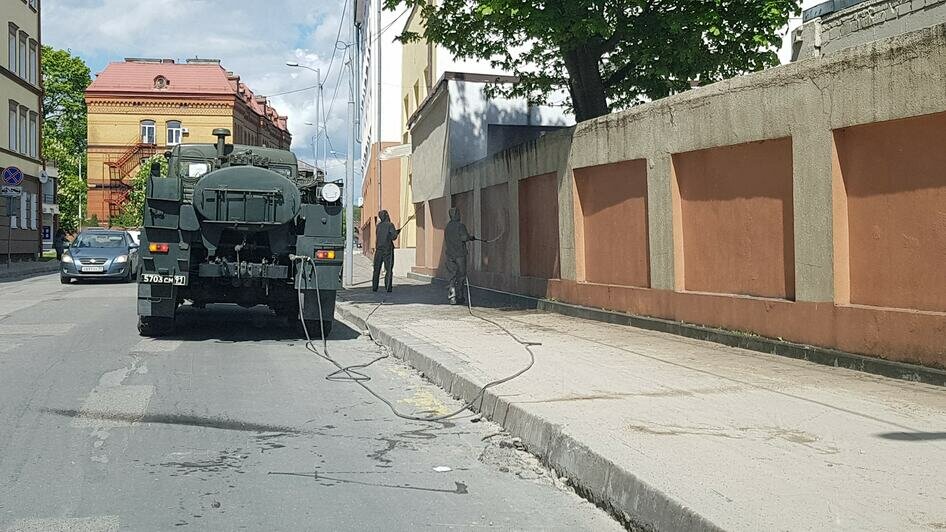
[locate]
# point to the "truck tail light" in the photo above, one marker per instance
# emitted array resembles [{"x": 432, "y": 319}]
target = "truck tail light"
[
  {"x": 159, "y": 248},
  {"x": 323, "y": 254}
]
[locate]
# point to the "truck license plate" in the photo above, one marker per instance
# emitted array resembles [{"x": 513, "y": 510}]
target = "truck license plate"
[
  {"x": 93, "y": 269},
  {"x": 154, "y": 278}
]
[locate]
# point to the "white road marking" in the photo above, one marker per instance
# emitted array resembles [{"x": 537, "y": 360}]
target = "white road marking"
[
  {"x": 112, "y": 404},
  {"x": 120, "y": 406},
  {"x": 155, "y": 345},
  {"x": 34, "y": 329},
  {"x": 109, "y": 523}
]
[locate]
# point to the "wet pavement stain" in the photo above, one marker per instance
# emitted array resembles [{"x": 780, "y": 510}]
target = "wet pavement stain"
[
  {"x": 177, "y": 419},
  {"x": 460, "y": 488},
  {"x": 380, "y": 455},
  {"x": 268, "y": 442},
  {"x": 207, "y": 462}
]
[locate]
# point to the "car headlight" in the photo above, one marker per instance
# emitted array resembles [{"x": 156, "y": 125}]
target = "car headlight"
[
  {"x": 121, "y": 259},
  {"x": 67, "y": 258}
]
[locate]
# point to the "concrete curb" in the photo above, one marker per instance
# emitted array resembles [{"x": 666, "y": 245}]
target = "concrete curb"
[
  {"x": 40, "y": 268},
  {"x": 636, "y": 504},
  {"x": 817, "y": 355}
]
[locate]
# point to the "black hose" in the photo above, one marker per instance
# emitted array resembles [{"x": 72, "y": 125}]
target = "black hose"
[{"x": 350, "y": 373}]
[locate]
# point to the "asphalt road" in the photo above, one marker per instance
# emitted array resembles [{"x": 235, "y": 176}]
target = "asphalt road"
[{"x": 231, "y": 425}]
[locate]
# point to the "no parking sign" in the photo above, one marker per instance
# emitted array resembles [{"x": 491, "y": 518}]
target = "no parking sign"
[{"x": 12, "y": 176}]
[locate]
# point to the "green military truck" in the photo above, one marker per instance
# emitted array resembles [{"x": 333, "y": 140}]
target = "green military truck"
[{"x": 239, "y": 224}]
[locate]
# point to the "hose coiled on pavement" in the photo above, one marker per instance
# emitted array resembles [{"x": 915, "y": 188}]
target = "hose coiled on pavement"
[{"x": 352, "y": 373}]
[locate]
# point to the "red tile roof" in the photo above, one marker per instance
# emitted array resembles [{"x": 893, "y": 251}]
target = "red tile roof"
[{"x": 182, "y": 79}]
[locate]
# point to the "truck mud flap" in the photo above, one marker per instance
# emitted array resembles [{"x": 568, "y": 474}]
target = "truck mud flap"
[{"x": 159, "y": 300}]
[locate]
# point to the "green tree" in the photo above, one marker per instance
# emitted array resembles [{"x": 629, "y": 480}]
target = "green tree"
[
  {"x": 132, "y": 214},
  {"x": 65, "y": 78},
  {"x": 610, "y": 54}
]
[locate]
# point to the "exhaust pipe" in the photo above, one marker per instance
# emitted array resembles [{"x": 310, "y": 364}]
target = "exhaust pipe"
[{"x": 221, "y": 134}]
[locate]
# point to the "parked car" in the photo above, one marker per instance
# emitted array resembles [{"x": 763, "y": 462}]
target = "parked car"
[
  {"x": 100, "y": 254},
  {"x": 135, "y": 235}
]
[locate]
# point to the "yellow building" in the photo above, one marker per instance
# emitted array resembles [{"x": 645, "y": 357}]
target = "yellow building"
[
  {"x": 20, "y": 146},
  {"x": 140, "y": 107},
  {"x": 417, "y": 67}
]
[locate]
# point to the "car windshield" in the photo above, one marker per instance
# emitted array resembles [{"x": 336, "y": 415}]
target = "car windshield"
[{"x": 100, "y": 240}]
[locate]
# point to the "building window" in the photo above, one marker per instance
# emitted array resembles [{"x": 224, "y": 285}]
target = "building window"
[
  {"x": 161, "y": 82},
  {"x": 23, "y": 54},
  {"x": 34, "y": 4},
  {"x": 24, "y": 210},
  {"x": 34, "y": 63},
  {"x": 34, "y": 208},
  {"x": 147, "y": 132},
  {"x": 174, "y": 132},
  {"x": 24, "y": 131},
  {"x": 11, "y": 46},
  {"x": 34, "y": 135},
  {"x": 14, "y": 212},
  {"x": 13, "y": 127}
]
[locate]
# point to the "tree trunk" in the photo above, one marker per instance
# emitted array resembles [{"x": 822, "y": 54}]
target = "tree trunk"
[{"x": 585, "y": 84}]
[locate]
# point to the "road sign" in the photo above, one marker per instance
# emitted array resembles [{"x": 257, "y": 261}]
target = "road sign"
[
  {"x": 10, "y": 192},
  {"x": 47, "y": 232},
  {"x": 12, "y": 176},
  {"x": 43, "y": 177}
]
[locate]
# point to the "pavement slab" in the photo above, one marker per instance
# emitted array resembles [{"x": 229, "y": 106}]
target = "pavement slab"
[{"x": 672, "y": 433}]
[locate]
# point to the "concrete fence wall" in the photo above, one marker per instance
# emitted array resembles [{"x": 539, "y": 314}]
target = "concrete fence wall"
[{"x": 805, "y": 203}]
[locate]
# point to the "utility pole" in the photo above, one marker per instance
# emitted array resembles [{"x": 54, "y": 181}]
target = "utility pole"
[
  {"x": 378, "y": 130},
  {"x": 350, "y": 166}
]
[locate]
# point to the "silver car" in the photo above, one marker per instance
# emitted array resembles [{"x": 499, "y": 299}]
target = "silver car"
[{"x": 100, "y": 254}]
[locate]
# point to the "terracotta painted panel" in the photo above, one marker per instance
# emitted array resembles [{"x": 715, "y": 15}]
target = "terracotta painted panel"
[
  {"x": 893, "y": 334},
  {"x": 613, "y": 207},
  {"x": 894, "y": 174},
  {"x": 538, "y": 227},
  {"x": 420, "y": 253},
  {"x": 494, "y": 222},
  {"x": 737, "y": 219}
]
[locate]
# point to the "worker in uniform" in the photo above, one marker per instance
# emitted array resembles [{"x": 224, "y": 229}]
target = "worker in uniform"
[
  {"x": 455, "y": 238},
  {"x": 385, "y": 235}
]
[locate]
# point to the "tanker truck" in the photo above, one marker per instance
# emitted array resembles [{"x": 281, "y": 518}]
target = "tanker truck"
[{"x": 239, "y": 224}]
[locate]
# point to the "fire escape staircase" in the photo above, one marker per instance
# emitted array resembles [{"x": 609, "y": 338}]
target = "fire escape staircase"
[{"x": 121, "y": 169}]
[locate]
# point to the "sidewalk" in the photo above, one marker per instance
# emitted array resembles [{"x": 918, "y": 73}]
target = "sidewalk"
[
  {"x": 679, "y": 434},
  {"x": 22, "y": 270}
]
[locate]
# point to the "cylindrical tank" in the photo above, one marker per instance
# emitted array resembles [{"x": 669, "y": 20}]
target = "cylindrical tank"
[{"x": 246, "y": 196}]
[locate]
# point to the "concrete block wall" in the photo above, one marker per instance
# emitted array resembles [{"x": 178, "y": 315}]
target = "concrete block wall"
[
  {"x": 865, "y": 22},
  {"x": 803, "y": 202}
]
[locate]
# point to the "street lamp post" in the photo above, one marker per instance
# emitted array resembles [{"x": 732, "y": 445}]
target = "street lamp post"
[{"x": 318, "y": 105}]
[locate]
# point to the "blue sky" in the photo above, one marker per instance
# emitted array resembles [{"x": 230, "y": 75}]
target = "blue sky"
[{"x": 253, "y": 42}]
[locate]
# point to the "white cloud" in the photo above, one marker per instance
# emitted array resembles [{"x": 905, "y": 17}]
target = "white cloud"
[{"x": 253, "y": 39}]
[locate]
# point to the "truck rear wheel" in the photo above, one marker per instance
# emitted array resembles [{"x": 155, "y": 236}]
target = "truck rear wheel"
[{"x": 154, "y": 326}]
